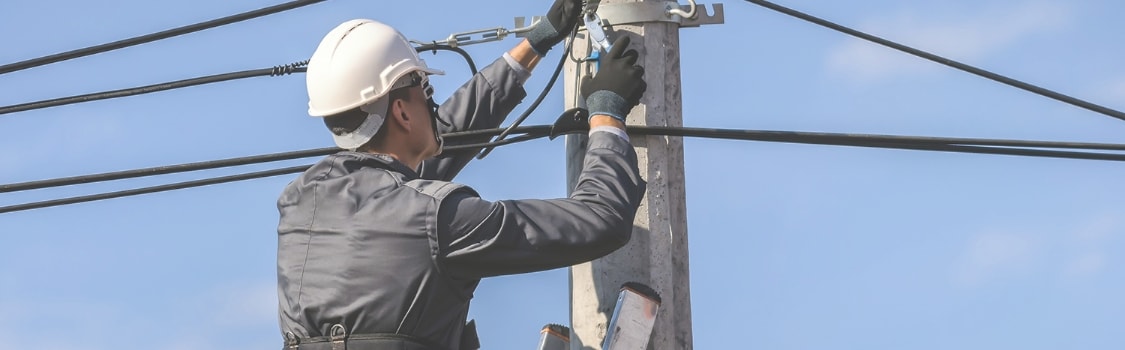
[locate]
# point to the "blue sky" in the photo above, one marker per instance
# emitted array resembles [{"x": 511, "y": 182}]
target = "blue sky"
[{"x": 792, "y": 246}]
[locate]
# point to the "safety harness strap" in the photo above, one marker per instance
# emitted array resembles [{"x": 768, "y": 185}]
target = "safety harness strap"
[{"x": 372, "y": 341}]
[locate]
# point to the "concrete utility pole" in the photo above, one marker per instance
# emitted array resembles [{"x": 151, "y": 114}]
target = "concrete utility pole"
[{"x": 657, "y": 255}]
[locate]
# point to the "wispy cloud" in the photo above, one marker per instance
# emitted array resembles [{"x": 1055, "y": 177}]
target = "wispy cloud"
[
  {"x": 994, "y": 255},
  {"x": 1086, "y": 265},
  {"x": 1076, "y": 253},
  {"x": 1090, "y": 240},
  {"x": 1098, "y": 229},
  {"x": 1113, "y": 91},
  {"x": 971, "y": 35}
]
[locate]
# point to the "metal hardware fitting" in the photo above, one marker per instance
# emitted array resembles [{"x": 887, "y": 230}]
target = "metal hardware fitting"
[
  {"x": 661, "y": 11},
  {"x": 679, "y": 12},
  {"x": 688, "y": 16},
  {"x": 598, "y": 38},
  {"x": 486, "y": 35}
]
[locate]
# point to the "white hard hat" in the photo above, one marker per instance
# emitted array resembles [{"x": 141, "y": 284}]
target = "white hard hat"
[{"x": 356, "y": 65}]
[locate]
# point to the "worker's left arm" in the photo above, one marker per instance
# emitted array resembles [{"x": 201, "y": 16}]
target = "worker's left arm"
[{"x": 487, "y": 99}]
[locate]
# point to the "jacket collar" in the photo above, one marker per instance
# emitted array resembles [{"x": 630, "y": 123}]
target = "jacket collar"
[{"x": 383, "y": 161}]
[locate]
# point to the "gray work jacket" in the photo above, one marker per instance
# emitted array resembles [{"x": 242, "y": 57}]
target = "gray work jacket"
[{"x": 393, "y": 256}]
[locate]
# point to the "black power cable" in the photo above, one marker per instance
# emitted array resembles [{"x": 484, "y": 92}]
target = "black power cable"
[
  {"x": 531, "y": 131},
  {"x": 162, "y": 170},
  {"x": 438, "y": 47},
  {"x": 153, "y": 189},
  {"x": 538, "y": 132},
  {"x": 861, "y": 140},
  {"x": 535, "y": 132},
  {"x": 59, "y": 57},
  {"x": 844, "y": 139},
  {"x": 940, "y": 144},
  {"x": 957, "y": 145},
  {"x": 945, "y": 61},
  {"x": 297, "y": 67}
]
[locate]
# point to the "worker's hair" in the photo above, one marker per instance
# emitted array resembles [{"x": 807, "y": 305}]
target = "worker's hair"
[{"x": 347, "y": 121}]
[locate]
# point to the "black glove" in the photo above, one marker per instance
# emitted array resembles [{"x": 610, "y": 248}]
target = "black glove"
[
  {"x": 619, "y": 84},
  {"x": 560, "y": 21}
]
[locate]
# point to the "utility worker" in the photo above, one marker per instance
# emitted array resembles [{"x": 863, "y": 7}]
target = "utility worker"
[{"x": 377, "y": 249}]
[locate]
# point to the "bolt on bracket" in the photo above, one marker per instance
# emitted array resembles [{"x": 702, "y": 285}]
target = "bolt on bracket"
[{"x": 659, "y": 11}]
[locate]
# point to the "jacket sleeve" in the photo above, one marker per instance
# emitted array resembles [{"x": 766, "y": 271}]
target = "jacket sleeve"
[
  {"x": 478, "y": 238},
  {"x": 482, "y": 103}
]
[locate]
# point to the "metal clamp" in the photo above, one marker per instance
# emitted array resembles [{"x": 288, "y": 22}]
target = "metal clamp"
[{"x": 598, "y": 37}]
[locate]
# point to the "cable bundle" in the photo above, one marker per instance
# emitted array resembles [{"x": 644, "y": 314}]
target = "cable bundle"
[{"x": 1069, "y": 150}]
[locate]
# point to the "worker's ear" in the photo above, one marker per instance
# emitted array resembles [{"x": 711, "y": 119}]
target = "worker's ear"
[{"x": 398, "y": 115}]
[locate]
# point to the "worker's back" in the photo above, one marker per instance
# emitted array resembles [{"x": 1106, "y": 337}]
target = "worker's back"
[{"x": 355, "y": 249}]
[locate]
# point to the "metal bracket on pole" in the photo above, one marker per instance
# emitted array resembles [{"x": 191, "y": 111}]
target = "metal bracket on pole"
[
  {"x": 618, "y": 13},
  {"x": 702, "y": 18},
  {"x": 659, "y": 11}
]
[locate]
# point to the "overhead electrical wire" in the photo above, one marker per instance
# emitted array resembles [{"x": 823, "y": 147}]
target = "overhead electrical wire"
[
  {"x": 839, "y": 139},
  {"x": 472, "y": 66},
  {"x": 153, "y": 189},
  {"x": 1011, "y": 147},
  {"x": 240, "y": 161},
  {"x": 945, "y": 61},
  {"x": 542, "y": 132},
  {"x": 919, "y": 143},
  {"x": 297, "y": 67},
  {"x": 1048, "y": 149},
  {"x": 59, "y": 57},
  {"x": 163, "y": 170}
]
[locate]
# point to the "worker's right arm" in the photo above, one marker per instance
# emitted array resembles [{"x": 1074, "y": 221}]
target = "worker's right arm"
[{"x": 479, "y": 238}]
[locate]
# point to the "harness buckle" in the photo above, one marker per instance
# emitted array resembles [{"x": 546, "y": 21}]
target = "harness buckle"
[
  {"x": 338, "y": 336},
  {"x": 291, "y": 341}
]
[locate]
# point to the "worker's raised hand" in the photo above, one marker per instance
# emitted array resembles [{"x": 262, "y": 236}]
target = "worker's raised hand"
[
  {"x": 619, "y": 84},
  {"x": 552, "y": 29}
]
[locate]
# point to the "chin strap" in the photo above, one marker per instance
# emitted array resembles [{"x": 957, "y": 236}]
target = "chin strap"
[{"x": 437, "y": 119}]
